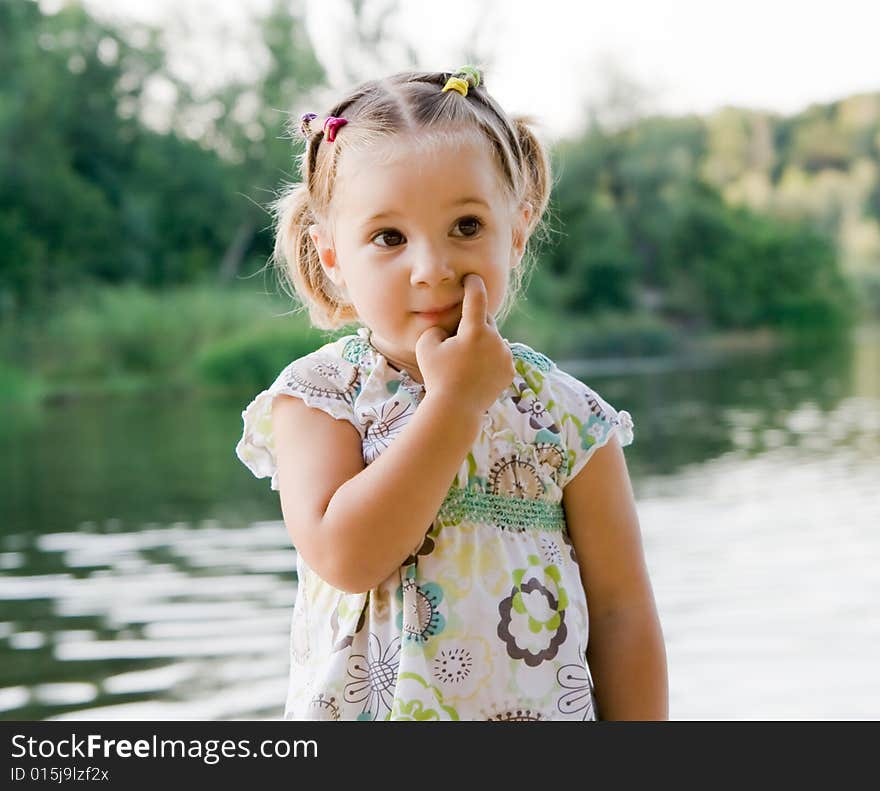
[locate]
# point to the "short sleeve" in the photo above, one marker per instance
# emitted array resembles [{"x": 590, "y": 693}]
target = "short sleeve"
[
  {"x": 321, "y": 379},
  {"x": 587, "y": 420}
]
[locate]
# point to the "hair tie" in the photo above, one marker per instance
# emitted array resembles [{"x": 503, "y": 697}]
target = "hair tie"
[
  {"x": 456, "y": 84},
  {"x": 305, "y": 121},
  {"x": 331, "y": 125},
  {"x": 473, "y": 72}
]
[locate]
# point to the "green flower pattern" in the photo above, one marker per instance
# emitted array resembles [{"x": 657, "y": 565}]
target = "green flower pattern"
[{"x": 532, "y": 623}]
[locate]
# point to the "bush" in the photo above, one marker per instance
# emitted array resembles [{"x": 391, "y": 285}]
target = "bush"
[
  {"x": 603, "y": 334},
  {"x": 252, "y": 360},
  {"x": 132, "y": 331},
  {"x": 16, "y": 385}
]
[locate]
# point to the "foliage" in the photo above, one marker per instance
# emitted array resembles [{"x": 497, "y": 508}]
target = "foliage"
[
  {"x": 739, "y": 220},
  {"x": 129, "y": 331},
  {"x": 252, "y": 359}
]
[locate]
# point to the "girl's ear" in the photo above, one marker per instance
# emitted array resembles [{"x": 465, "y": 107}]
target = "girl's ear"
[
  {"x": 520, "y": 229},
  {"x": 326, "y": 254}
]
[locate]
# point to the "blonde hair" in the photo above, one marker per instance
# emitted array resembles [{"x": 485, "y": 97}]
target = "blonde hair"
[{"x": 404, "y": 103}]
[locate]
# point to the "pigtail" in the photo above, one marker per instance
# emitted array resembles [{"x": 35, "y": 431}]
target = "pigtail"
[
  {"x": 298, "y": 265},
  {"x": 535, "y": 179},
  {"x": 536, "y": 169}
]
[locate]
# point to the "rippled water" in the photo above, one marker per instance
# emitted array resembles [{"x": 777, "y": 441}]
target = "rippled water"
[{"x": 146, "y": 574}]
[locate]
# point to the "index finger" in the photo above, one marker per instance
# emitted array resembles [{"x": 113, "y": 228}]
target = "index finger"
[{"x": 474, "y": 304}]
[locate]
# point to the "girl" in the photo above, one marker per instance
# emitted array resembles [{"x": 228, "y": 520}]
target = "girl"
[{"x": 451, "y": 538}]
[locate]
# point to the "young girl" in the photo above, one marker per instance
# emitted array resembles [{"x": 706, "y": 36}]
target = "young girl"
[{"x": 457, "y": 557}]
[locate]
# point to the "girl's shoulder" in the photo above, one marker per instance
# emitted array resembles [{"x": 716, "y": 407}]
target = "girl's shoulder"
[
  {"x": 329, "y": 364},
  {"x": 561, "y": 405},
  {"x": 324, "y": 379}
]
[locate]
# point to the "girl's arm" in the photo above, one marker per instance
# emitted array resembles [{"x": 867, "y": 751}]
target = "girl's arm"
[
  {"x": 626, "y": 653},
  {"x": 355, "y": 525}
]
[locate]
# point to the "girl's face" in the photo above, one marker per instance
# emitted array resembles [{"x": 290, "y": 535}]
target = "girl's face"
[{"x": 409, "y": 221}]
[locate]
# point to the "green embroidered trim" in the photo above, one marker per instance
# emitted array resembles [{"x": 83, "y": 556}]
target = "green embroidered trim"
[
  {"x": 508, "y": 513},
  {"x": 540, "y": 361},
  {"x": 354, "y": 350}
]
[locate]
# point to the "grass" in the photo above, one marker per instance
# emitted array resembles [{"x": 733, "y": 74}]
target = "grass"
[
  {"x": 127, "y": 339},
  {"x": 207, "y": 338}
]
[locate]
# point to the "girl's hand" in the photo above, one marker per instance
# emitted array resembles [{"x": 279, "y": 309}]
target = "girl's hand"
[{"x": 473, "y": 366}]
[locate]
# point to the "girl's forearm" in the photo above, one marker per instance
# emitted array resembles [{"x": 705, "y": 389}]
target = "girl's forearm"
[
  {"x": 381, "y": 515},
  {"x": 627, "y": 659}
]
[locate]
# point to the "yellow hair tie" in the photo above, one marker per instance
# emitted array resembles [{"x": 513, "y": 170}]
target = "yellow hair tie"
[{"x": 456, "y": 84}]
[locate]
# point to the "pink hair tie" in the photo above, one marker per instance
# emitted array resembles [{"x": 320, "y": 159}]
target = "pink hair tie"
[{"x": 333, "y": 123}]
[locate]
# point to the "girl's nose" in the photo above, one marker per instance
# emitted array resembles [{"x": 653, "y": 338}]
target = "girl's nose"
[{"x": 431, "y": 265}]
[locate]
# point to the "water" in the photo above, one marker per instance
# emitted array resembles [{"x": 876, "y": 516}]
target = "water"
[{"x": 146, "y": 574}]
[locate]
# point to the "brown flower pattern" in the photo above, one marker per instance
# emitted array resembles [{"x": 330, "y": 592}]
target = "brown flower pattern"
[
  {"x": 515, "y": 477},
  {"x": 528, "y": 403}
]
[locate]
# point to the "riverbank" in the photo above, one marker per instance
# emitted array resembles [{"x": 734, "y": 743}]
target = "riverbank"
[{"x": 202, "y": 340}]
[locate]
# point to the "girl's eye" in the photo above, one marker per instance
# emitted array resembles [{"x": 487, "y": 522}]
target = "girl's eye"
[
  {"x": 389, "y": 232},
  {"x": 470, "y": 222},
  {"x": 470, "y": 226}
]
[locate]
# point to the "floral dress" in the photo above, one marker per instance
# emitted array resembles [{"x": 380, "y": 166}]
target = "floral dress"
[{"x": 487, "y": 619}]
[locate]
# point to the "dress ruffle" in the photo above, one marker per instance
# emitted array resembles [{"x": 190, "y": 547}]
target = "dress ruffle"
[{"x": 322, "y": 379}]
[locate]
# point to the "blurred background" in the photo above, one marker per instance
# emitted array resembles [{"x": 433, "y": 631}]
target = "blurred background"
[{"x": 711, "y": 263}]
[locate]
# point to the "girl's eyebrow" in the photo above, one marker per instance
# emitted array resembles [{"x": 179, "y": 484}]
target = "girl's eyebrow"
[{"x": 392, "y": 212}]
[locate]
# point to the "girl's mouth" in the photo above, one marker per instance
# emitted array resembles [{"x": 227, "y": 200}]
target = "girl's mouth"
[{"x": 438, "y": 314}]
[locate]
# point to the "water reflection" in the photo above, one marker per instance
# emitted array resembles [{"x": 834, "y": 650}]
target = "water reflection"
[
  {"x": 146, "y": 575},
  {"x": 196, "y": 610}
]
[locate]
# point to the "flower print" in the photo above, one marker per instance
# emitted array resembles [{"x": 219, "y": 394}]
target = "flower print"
[
  {"x": 329, "y": 369},
  {"x": 374, "y": 676},
  {"x": 536, "y": 683},
  {"x": 323, "y": 708},
  {"x": 462, "y": 667},
  {"x": 416, "y": 699},
  {"x": 597, "y": 430},
  {"x": 566, "y": 539},
  {"x": 322, "y": 374},
  {"x": 419, "y": 618},
  {"x": 532, "y": 621},
  {"x": 551, "y": 456},
  {"x": 383, "y": 425},
  {"x": 460, "y": 568},
  {"x": 577, "y": 679},
  {"x": 515, "y": 477},
  {"x": 601, "y": 409},
  {"x": 453, "y": 665},
  {"x": 592, "y": 431},
  {"x": 427, "y": 545},
  {"x": 527, "y": 402},
  {"x": 343, "y": 615},
  {"x": 521, "y": 710},
  {"x": 300, "y": 650},
  {"x": 517, "y": 715},
  {"x": 550, "y": 550},
  {"x": 598, "y": 406}
]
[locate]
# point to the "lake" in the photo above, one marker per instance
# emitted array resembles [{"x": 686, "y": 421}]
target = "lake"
[{"x": 147, "y": 574}]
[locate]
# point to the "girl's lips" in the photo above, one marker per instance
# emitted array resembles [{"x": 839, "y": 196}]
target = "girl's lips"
[{"x": 431, "y": 314}]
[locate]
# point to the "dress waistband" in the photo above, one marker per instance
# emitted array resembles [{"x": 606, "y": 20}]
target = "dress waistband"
[{"x": 507, "y": 513}]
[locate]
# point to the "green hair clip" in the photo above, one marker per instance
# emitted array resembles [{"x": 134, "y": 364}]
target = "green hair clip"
[{"x": 471, "y": 71}]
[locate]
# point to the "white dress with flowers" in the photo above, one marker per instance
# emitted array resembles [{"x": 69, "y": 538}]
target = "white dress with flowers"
[{"x": 487, "y": 619}]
